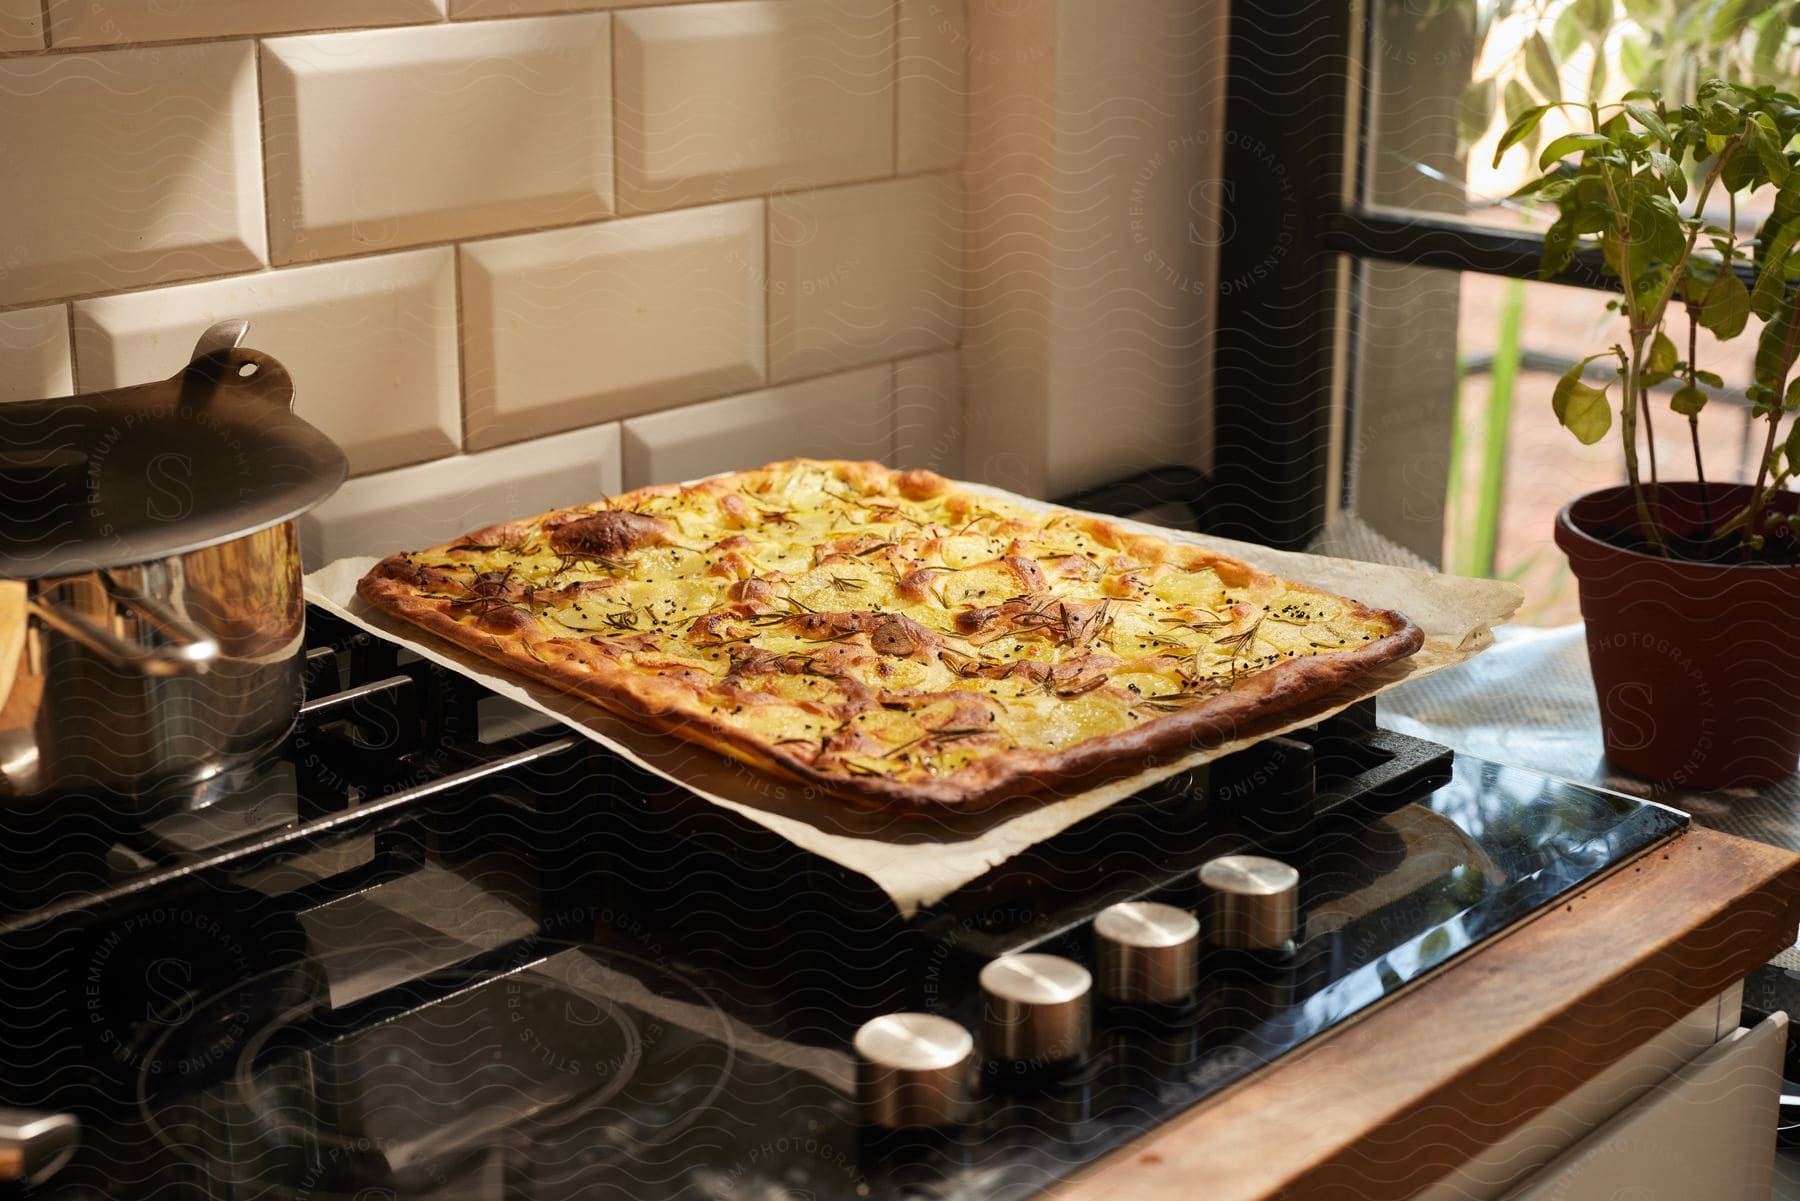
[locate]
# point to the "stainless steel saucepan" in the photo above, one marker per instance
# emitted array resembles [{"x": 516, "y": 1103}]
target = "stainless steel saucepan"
[{"x": 150, "y": 583}]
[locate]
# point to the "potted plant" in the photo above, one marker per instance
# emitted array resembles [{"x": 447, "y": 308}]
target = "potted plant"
[{"x": 1690, "y": 589}]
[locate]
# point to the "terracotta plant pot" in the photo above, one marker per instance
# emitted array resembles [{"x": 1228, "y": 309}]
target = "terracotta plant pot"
[{"x": 1696, "y": 665}]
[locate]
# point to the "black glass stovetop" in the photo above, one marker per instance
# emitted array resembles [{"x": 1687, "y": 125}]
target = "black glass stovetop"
[{"x": 436, "y": 950}]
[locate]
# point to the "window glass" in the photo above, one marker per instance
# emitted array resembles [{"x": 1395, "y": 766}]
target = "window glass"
[
  {"x": 1446, "y": 77},
  {"x": 1512, "y": 466}
]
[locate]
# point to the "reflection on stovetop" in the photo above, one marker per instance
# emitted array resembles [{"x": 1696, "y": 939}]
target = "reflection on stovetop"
[{"x": 427, "y": 963}]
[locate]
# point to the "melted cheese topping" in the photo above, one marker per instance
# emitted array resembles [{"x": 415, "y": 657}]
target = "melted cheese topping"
[{"x": 864, "y": 623}]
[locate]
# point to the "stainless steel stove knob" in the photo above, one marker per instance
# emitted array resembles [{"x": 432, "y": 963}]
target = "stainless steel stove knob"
[
  {"x": 1253, "y": 903},
  {"x": 1146, "y": 953},
  {"x": 1036, "y": 1009},
  {"x": 914, "y": 1069}
]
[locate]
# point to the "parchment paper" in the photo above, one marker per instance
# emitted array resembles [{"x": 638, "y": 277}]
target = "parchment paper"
[{"x": 918, "y": 858}]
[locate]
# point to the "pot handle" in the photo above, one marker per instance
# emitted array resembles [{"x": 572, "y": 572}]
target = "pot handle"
[
  {"x": 34, "y": 1145},
  {"x": 220, "y": 360},
  {"x": 222, "y": 337},
  {"x": 191, "y": 652}
]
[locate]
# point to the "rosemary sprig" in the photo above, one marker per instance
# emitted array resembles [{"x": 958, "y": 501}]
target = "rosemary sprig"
[
  {"x": 1174, "y": 702},
  {"x": 1070, "y": 691},
  {"x": 946, "y": 734}
]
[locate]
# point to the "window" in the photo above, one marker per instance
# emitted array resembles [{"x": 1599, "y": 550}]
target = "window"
[{"x": 1398, "y": 366}]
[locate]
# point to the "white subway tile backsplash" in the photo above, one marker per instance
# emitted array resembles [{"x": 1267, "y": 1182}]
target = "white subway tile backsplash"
[
  {"x": 127, "y": 168},
  {"x": 414, "y": 507},
  {"x": 863, "y": 273},
  {"x": 839, "y": 416},
  {"x": 931, "y": 84},
  {"x": 107, "y": 22},
  {"x": 21, "y": 25},
  {"x": 371, "y": 345},
  {"x": 731, "y": 99},
  {"x": 516, "y": 8},
  {"x": 573, "y": 326},
  {"x": 396, "y": 137},
  {"x": 34, "y": 354},
  {"x": 928, "y": 413}
]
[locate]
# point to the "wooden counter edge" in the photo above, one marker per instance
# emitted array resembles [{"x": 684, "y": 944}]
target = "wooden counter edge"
[{"x": 1394, "y": 1101}]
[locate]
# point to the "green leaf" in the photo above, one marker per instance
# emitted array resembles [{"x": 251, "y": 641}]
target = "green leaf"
[
  {"x": 1656, "y": 229},
  {"x": 1787, "y": 200},
  {"x": 1720, "y": 119},
  {"x": 1559, "y": 246},
  {"x": 1581, "y": 409},
  {"x": 1540, "y": 68},
  {"x": 1596, "y": 15},
  {"x": 1710, "y": 378},
  {"x": 1777, "y": 346},
  {"x": 1793, "y": 447},
  {"x": 1726, "y": 306},
  {"x": 1569, "y": 143},
  {"x": 1475, "y": 110},
  {"x": 1635, "y": 60},
  {"x": 1729, "y": 19},
  {"x": 1791, "y": 401},
  {"x": 1671, "y": 173},
  {"x": 1514, "y": 100},
  {"x": 1597, "y": 79},
  {"x": 1650, "y": 121},
  {"x": 1743, "y": 170},
  {"x": 1661, "y": 363},
  {"x": 1771, "y": 32},
  {"x": 1768, "y": 147},
  {"x": 1771, "y": 280},
  {"x": 1565, "y": 35},
  {"x": 1521, "y": 125},
  {"x": 1688, "y": 401}
]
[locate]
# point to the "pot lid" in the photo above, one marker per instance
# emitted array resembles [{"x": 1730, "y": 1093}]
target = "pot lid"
[{"x": 134, "y": 474}]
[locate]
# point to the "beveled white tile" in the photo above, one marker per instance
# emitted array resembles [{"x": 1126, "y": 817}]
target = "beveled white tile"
[
  {"x": 394, "y": 137},
  {"x": 411, "y": 508},
  {"x": 127, "y": 168},
  {"x": 34, "y": 354},
  {"x": 847, "y": 416},
  {"x": 932, "y": 85},
  {"x": 371, "y": 344},
  {"x": 514, "y": 8},
  {"x": 108, "y": 22},
  {"x": 864, "y": 272},
  {"x": 21, "y": 25},
  {"x": 574, "y": 326},
  {"x": 731, "y": 99},
  {"x": 928, "y": 413}
]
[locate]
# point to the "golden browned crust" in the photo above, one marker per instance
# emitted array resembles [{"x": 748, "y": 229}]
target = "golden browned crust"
[{"x": 489, "y": 620}]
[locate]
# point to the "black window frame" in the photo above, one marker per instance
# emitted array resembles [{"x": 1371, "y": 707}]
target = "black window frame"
[{"x": 1285, "y": 350}]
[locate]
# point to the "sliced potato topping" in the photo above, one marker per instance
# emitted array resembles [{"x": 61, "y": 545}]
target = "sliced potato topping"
[{"x": 863, "y": 623}]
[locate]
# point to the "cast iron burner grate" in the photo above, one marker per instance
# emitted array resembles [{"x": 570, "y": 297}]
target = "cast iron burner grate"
[{"x": 428, "y": 876}]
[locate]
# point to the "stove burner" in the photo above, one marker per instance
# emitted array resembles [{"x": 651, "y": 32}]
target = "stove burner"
[{"x": 546, "y": 1071}]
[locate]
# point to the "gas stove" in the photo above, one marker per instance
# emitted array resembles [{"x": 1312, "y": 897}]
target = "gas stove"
[{"x": 438, "y": 948}]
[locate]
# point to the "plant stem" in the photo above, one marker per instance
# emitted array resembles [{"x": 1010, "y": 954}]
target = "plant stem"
[
  {"x": 1700, "y": 473},
  {"x": 1491, "y": 484},
  {"x": 1649, "y": 435},
  {"x": 1629, "y": 409},
  {"x": 1693, "y": 313}
]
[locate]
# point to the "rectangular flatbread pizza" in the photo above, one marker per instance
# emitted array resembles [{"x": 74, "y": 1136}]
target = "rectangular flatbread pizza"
[{"x": 888, "y": 636}]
